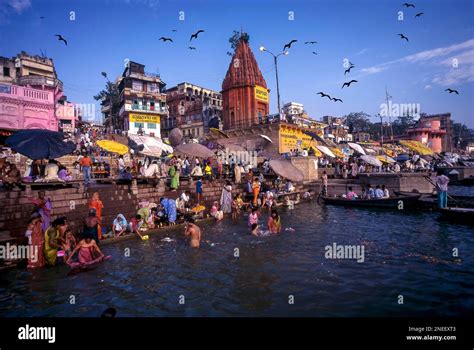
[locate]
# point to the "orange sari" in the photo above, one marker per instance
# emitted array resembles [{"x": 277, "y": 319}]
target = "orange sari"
[
  {"x": 98, "y": 206},
  {"x": 256, "y": 190}
]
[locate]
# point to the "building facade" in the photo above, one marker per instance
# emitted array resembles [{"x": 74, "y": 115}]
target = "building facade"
[
  {"x": 245, "y": 97},
  {"x": 193, "y": 109},
  {"x": 337, "y": 130},
  {"x": 434, "y": 131},
  {"x": 31, "y": 95},
  {"x": 142, "y": 101}
]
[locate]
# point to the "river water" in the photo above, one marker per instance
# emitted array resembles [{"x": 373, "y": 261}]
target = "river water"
[{"x": 407, "y": 254}]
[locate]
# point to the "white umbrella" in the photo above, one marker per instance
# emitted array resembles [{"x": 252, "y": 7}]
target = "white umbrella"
[
  {"x": 371, "y": 160},
  {"x": 267, "y": 138},
  {"x": 370, "y": 150},
  {"x": 356, "y": 147},
  {"x": 326, "y": 151}
]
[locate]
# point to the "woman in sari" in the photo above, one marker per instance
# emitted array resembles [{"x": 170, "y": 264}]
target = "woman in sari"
[
  {"x": 35, "y": 235},
  {"x": 169, "y": 206},
  {"x": 89, "y": 252},
  {"x": 53, "y": 240},
  {"x": 226, "y": 198},
  {"x": 43, "y": 207},
  {"x": 174, "y": 175},
  {"x": 145, "y": 212},
  {"x": 256, "y": 191},
  {"x": 96, "y": 203}
]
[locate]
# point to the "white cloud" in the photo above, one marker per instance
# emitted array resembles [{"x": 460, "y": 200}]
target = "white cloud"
[
  {"x": 361, "y": 52},
  {"x": 460, "y": 53},
  {"x": 428, "y": 87},
  {"x": 10, "y": 7}
]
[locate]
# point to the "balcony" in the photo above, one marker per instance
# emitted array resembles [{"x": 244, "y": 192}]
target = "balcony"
[
  {"x": 145, "y": 108},
  {"x": 26, "y": 94},
  {"x": 38, "y": 80}
]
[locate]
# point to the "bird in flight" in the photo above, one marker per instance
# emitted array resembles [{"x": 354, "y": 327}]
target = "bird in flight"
[
  {"x": 403, "y": 37},
  {"x": 315, "y": 53},
  {"x": 419, "y": 14},
  {"x": 348, "y": 70},
  {"x": 407, "y": 5},
  {"x": 174, "y": 30},
  {"x": 104, "y": 74},
  {"x": 191, "y": 48},
  {"x": 195, "y": 35},
  {"x": 452, "y": 90},
  {"x": 336, "y": 99},
  {"x": 166, "y": 39},
  {"x": 310, "y": 42},
  {"x": 60, "y": 38},
  {"x": 322, "y": 94},
  {"x": 289, "y": 44},
  {"x": 348, "y": 83},
  {"x": 42, "y": 17}
]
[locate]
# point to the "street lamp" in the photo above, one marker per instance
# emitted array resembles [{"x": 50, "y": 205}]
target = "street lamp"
[{"x": 275, "y": 60}]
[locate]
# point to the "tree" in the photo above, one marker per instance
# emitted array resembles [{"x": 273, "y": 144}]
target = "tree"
[
  {"x": 402, "y": 124},
  {"x": 110, "y": 97},
  {"x": 461, "y": 135},
  {"x": 234, "y": 40},
  {"x": 358, "y": 122}
]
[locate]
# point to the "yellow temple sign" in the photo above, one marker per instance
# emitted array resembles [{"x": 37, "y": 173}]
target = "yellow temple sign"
[
  {"x": 143, "y": 118},
  {"x": 291, "y": 138},
  {"x": 261, "y": 93}
]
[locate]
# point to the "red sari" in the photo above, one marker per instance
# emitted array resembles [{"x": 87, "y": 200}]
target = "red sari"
[
  {"x": 98, "y": 206},
  {"x": 37, "y": 241}
]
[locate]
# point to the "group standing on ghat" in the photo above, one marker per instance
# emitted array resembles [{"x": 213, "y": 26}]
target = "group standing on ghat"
[{"x": 57, "y": 242}]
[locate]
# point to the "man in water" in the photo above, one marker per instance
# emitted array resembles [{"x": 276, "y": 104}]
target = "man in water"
[{"x": 191, "y": 229}]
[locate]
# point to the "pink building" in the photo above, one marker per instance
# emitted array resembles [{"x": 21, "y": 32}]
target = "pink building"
[{"x": 31, "y": 95}]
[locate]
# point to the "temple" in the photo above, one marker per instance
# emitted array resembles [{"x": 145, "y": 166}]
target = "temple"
[{"x": 244, "y": 90}]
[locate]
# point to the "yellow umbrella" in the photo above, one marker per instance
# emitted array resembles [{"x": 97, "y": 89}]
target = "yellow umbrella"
[
  {"x": 112, "y": 146},
  {"x": 386, "y": 159},
  {"x": 417, "y": 146},
  {"x": 317, "y": 152},
  {"x": 220, "y": 132},
  {"x": 337, "y": 152}
]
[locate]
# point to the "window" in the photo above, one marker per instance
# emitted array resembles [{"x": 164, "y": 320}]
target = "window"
[
  {"x": 152, "y": 106},
  {"x": 137, "y": 85},
  {"x": 6, "y": 71},
  {"x": 138, "y": 125},
  {"x": 153, "y": 87},
  {"x": 151, "y": 125}
]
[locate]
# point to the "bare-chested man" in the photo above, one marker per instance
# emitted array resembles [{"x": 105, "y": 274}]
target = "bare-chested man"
[{"x": 191, "y": 229}]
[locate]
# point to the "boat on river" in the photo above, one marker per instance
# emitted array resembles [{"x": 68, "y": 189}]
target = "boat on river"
[
  {"x": 397, "y": 202},
  {"x": 458, "y": 215},
  {"x": 430, "y": 200}
]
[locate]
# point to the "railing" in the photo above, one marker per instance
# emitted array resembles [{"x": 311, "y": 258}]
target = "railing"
[{"x": 30, "y": 94}]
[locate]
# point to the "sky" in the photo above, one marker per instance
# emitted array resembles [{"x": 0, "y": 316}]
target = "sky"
[{"x": 102, "y": 34}]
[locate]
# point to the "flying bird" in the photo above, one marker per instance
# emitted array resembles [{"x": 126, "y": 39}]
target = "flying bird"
[
  {"x": 315, "y": 53},
  {"x": 104, "y": 74},
  {"x": 60, "y": 38},
  {"x": 289, "y": 44},
  {"x": 403, "y": 37},
  {"x": 310, "y": 42},
  {"x": 336, "y": 99},
  {"x": 348, "y": 70},
  {"x": 407, "y": 5},
  {"x": 322, "y": 94},
  {"x": 191, "y": 48},
  {"x": 452, "y": 90},
  {"x": 348, "y": 83},
  {"x": 42, "y": 17},
  {"x": 174, "y": 30},
  {"x": 195, "y": 35},
  {"x": 419, "y": 14},
  {"x": 166, "y": 39}
]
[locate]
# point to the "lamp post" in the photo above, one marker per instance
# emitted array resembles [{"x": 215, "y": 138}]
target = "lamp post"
[{"x": 275, "y": 60}]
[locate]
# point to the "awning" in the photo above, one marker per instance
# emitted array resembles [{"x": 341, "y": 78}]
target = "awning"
[
  {"x": 152, "y": 146},
  {"x": 326, "y": 151},
  {"x": 417, "y": 146},
  {"x": 356, "y": 147}
]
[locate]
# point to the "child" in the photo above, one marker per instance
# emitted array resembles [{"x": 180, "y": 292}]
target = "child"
[
  {"x": 135, "y": 225},
  {"x": 69, "y": 242},
  {"x": 253, "y": 217},
  {"x": 216, "y": 213},
  {"x": 199, "y": 190},
  {"x": 235, "y": 208}
]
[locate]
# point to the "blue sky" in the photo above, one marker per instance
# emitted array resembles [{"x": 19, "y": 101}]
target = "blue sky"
[{"x": 106, "y": 32}]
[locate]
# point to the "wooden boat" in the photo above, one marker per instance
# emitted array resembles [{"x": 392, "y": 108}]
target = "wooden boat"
[
  {"x": 430, "y": 200},
  {"x": 398, "y": 202},
  {"x": 458, "y": 215}
]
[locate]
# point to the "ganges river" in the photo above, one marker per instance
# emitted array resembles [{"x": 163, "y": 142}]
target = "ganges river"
[{"x": 408, "y": 256}]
